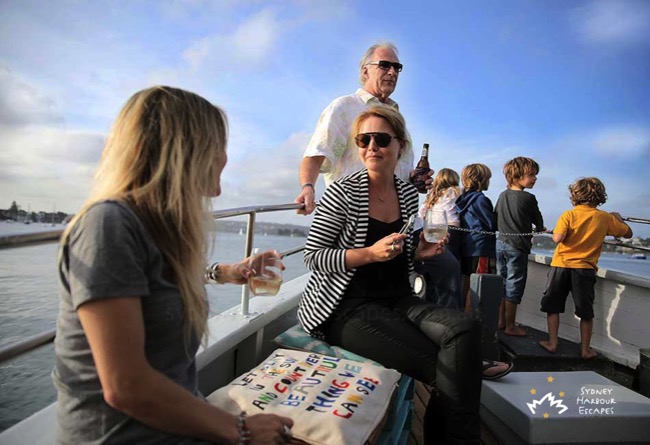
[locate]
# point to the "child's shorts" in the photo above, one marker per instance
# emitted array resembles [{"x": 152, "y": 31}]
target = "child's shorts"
[
  {"x": 477, "y": 264},
  {"x": 580, "y": 282}
]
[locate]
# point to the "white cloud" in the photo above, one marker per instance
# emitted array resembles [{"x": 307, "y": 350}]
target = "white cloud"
[
  {"x": 44, "y": 165},
  {"x": 269, "y": 175},
  {"x": 42, "y": 162},
  {"x": 22, "y": 104},
  {"x": 623, "y": 142},
  {"x": 254, "y": 39},
  {"x": 251, "y": 45},
  {"x": 620, "y": 21},
  {"x": 196, "y": 54},
  {"x": 615, "y": 142},
  {"x": 324, "y": 11}
]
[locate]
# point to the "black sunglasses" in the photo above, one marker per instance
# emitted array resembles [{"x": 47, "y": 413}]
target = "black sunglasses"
[
  {"x": 381, "y": 139},
  {"x": 385, "y": 65}
]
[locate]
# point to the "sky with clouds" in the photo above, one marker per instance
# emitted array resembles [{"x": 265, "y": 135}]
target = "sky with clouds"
[{"x": 564, "y": 82}]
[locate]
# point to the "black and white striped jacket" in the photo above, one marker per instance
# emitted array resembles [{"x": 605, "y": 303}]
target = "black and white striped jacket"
[{"x": 341, "y": 223}]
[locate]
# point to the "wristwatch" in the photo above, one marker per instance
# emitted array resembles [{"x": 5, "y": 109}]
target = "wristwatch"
[{"x": 212, "y": 272}]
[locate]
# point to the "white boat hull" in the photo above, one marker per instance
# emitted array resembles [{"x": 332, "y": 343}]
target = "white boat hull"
[
  {"x": 621, "y": 312},
  {"x": 238, "y": 342}
]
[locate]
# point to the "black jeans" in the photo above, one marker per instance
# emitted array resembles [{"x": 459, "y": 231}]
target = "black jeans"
[
  {"x": 442, "y": 275},
  {"x": 435, "y": 345}
]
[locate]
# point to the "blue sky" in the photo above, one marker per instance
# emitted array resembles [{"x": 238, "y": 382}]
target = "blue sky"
[{"x": 564, "y": 82}]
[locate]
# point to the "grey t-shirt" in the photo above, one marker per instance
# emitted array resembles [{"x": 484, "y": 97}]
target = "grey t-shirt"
[
  {"x": 517, "y": 212},
  {"x": 110, "y": 254}
]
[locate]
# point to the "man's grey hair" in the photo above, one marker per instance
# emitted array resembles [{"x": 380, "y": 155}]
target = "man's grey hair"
[{"x": 367, "y": 57}]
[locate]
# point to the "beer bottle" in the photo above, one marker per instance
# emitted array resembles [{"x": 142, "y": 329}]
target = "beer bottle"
[{"x": 421, "y": 170}]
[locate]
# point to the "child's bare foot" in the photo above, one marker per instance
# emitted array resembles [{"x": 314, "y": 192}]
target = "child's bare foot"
[
  {"x": 589, "y": 353},
  {"x": 550, "y": 347},
  {"x": 501, "y": 325},
  {"x": 517, "y": 331}
]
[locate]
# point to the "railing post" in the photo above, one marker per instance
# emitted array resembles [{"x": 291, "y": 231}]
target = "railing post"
[{"x": 250, "y": 235}]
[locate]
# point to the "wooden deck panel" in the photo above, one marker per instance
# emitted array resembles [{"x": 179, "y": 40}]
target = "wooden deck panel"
[
  {"x": 420, "y": 402},
  {"x": 621, "y": 308}
]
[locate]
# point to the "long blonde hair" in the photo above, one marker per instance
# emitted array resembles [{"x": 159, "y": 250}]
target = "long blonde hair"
[
  {"x": 160, "y": 161},
  {"x": 445, "y": 178}
]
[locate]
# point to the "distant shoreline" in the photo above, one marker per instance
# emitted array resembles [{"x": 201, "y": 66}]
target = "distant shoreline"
[
  {"x": 8, "y": 227},
  {"x": 262, "y": 228}
]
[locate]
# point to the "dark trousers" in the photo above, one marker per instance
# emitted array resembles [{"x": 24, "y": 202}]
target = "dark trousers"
[
  {"x": 435, "y": 345},
  {"x": 442, "y": 275}
]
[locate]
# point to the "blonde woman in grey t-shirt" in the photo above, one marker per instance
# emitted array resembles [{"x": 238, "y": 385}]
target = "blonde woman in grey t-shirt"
[{"x": 133, "y": 305}]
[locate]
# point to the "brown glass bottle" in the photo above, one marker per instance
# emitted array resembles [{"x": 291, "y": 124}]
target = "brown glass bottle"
[{"x": 421, "y": 170}]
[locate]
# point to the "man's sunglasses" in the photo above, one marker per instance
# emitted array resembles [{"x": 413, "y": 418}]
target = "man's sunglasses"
[
  {"x": 381, "y": 139},
  {"x": 385, "y": 65}
]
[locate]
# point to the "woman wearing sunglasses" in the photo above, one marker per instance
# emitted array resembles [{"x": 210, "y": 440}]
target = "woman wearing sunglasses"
[{"x": 359, "y": 296}]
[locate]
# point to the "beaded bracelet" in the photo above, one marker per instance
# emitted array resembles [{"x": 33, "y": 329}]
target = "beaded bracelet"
[
  {"x": 308, "y": 184},
  {"x": 242, "y": 429}
]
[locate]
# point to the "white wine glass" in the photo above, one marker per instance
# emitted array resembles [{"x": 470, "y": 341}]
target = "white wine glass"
[
  {"x": 266, "y": 276},
  {"x": 435, "y": 225}
]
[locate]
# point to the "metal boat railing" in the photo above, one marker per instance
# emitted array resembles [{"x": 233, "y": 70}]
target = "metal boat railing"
[
  {"x": 619, "y": 243},
  {"x": 21, "y": 347},
  {"x": 29, "y": 239}
]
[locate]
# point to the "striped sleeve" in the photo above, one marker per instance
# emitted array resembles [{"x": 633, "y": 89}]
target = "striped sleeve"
[
  {"x": 323, "y": 250},
  {"x": 340, "y": 223}
]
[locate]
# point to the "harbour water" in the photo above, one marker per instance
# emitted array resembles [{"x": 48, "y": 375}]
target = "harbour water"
[
  {"x": 29, "y": 301},
  {"x": 29, "y": 304},
  {"x": 618, "y": 262}
]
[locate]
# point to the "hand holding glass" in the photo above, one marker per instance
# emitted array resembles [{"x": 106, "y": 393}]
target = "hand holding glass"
[
  {"x": 435, "y": 225},
  {"x": 266, "y": 274}
]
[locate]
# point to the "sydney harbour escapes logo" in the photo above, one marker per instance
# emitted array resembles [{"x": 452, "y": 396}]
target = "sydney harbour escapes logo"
[{"x": 590, "y": 400}]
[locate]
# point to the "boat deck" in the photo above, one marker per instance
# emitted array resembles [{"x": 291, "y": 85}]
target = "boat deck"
[
  {"x": 420, "y": 400},
  {"x": 527, "y": 355}
]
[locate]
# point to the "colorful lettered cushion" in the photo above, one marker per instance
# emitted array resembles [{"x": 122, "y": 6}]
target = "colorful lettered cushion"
[{"x": 332, "y": 401}]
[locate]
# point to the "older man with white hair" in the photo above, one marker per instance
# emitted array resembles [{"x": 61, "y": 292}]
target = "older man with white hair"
[{"x": 332, "y": 150}]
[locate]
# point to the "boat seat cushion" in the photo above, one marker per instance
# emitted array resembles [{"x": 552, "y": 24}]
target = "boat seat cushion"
[
  {"x": 569, "y": 407},
  {"x": 296, "y": 338},
  {"x": 331, "y": 400}
]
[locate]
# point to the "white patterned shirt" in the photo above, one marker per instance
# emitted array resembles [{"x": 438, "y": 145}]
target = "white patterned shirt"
[
  {"x": 332, "y": 138},
  {"x": 446, "y": 202}
]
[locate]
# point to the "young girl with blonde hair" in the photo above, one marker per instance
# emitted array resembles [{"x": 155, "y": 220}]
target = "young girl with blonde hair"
[{"x": 442, "y": 196}]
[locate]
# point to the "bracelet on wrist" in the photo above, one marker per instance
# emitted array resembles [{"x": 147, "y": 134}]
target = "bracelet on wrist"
[
  {"x": 212, "y": 272},
  {"x": 242, "y": 430},
  {"x": 308, "y": 184}
]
